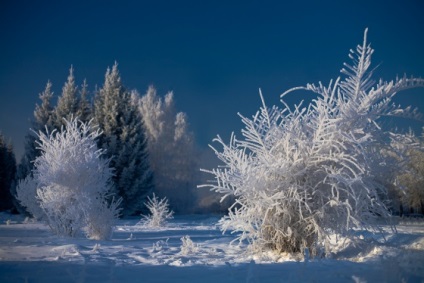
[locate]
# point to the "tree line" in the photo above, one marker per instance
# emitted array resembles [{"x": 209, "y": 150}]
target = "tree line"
[
  {"x": 152, "y": 149},
  {"x": 148, "y": 142}
]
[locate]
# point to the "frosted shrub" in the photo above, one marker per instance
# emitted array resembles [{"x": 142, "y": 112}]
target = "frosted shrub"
[
  {"x": 26, "y": 193},
  {"x": 72, "y": 183},
  {"x": 101, "y": 219},
  {"x": 299, "y": 175},
  {"x": 188, "y": 246},
  {"x": 159, "y": 212}
]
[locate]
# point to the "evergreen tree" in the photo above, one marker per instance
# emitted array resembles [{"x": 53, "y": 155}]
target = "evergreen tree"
[
  {"x": 125, "y": 142},
  {"x": 7, "y": 174},
  {"x": 68, "y": 103},
  {"x": 43, "y": 121},
  {"x": 84, "y": 106},
  {"x": 171, "y": 148}
]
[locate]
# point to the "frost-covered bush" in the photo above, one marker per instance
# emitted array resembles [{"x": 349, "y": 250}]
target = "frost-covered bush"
[
  {"x": 188, "y": 247},
  {"x": 101, "y": 219},
  {"x": 72, "y": 183},
  {"x": 159, "y": 212},
  {"x": 411, "y": 181},
  {"x": 299, "y": 175},
  {"x": 26, "y": 193}
]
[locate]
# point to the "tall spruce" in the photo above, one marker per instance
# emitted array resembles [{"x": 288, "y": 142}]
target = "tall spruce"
[
  {"x": 7, "y": 174},
  {"x": 84, "y": 106},
  {"x": 125, "y": 142},
  {"x": 43, "y": 121},
  {"x": 68, "y": 102}
]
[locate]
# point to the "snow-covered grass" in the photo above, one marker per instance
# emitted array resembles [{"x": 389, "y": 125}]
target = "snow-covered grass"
[{"x": 193, "y": 249}]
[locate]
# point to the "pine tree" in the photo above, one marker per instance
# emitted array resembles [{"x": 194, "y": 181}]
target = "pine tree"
[
  {"x": 68, "y": 103},
  {"x": 125, "y": 142},
  {"x": 7, "y": 174},
  {"x": 84, "y": 107},
  {"x": 109, "y": 108},
  {"x": 43, "y": 121}
]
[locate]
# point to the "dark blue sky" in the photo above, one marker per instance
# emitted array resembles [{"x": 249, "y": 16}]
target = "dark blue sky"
[{"x": 214, "y": 55}]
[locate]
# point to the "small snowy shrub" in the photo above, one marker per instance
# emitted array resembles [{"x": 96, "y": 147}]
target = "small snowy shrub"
[
  {"x": 159, "y": 212},
  {"x": 300, "y": 175},
  {"x": 72, "y": 183},
  {"x": 188, "y": 246}
]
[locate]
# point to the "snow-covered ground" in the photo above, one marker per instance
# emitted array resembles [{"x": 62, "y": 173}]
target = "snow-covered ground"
[{"x": 192, "y": 249}]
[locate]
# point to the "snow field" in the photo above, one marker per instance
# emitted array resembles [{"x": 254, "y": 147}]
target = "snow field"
[{"x": 193, "y": 249}]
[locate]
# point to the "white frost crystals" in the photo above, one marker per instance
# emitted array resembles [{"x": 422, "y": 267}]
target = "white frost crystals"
[
  {"x": 72, "y": 183},
  {"x": 300, "y": 175}
]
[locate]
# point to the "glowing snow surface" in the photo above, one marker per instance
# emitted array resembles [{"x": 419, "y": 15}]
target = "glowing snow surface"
[{"x": 192, "y": 249}]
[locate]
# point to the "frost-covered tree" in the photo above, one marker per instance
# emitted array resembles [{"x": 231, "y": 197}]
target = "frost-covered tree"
[
  {"x": 7, "y": 174},
  {"x": 44, "y": 118},
  {"x": 125, "y": 142},
  {"x": 173, "y": 156},
  {"x": 300, "y": 174},
  {"x": 68, "y": 102},
  {"x": 72, "y": 183}
]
